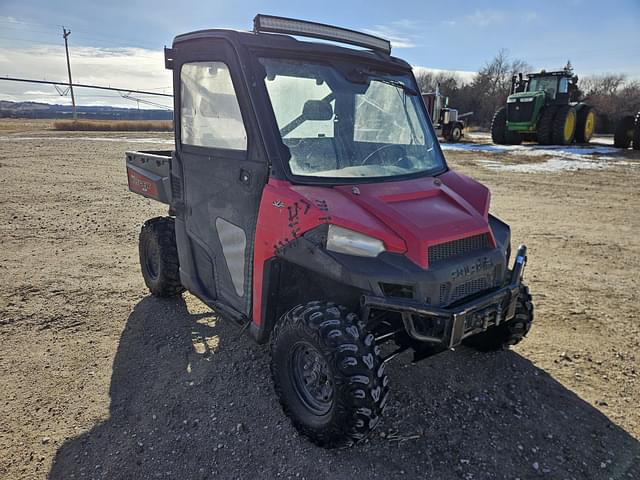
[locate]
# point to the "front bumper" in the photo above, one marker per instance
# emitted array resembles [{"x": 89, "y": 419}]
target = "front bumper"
[{"x": 449, "y": 326}]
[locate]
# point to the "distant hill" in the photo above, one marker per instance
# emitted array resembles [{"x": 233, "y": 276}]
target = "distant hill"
[{"x": 45, "y": 110}]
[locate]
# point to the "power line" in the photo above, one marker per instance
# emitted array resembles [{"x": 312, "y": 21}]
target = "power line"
[{"x": 81, "y": 85}]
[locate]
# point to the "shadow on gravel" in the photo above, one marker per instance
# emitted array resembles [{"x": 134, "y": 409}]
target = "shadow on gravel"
[{"x": 191, "y": 398}]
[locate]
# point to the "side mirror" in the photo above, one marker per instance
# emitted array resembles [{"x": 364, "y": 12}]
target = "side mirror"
[{"x": 317, "y": 110}]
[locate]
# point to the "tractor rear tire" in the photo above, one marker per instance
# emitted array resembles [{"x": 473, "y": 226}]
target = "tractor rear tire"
[
  {"x": 328, "y": 374},
  {"x": 506, "y": 334},
  {"x": 624, "y": 132},
  {"x": 586, "y": 124},
  {"x": 159, "y": 257},
  {"x": 499, "y": 126},
  {"x": 545, "y": 125},
  {"x": 564, "y": 125}
]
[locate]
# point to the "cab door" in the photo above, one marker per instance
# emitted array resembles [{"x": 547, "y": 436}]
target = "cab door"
[{"x": 218, "y": 173}]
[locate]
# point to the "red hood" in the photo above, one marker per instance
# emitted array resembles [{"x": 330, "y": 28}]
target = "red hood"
[{"x": 419, "y": 213}]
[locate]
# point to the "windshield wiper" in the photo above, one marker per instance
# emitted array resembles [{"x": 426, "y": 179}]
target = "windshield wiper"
[{"x": 395, "y": 83}]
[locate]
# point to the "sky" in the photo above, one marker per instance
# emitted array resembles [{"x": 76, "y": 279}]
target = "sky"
[{"x": 119, "y": 43}]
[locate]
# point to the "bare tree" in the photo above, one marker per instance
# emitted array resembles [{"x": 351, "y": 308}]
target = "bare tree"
[
  {"x": 491, "y": 86},
  {"x": 613, "y": 97},
  {"x": 449, "y": 82}
]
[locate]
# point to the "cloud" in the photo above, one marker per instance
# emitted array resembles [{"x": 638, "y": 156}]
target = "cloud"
[
  {"x": 483, "y": 18},
  {"x": 36, "y": 92},
  {"x": 404, "y": 33},
  {"x": 12, "y": 20},
  {"x": 127, "y": 68}
]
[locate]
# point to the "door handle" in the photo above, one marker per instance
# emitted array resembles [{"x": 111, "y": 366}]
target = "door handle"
[{"x": 245, "y": 177}]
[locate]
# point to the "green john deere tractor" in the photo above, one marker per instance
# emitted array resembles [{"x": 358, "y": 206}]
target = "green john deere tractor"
[{"x": 544, "y": 107}]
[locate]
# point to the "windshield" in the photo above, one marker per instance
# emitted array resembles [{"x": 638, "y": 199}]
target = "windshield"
[
  {"x": 548, "y": 85},
  {"x": 369, "y": 125}
]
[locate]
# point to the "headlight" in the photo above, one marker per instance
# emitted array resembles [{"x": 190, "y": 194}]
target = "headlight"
[
  {"x": 343, "y": 240},
  {"x": 511, "y": 100},
  {"x": 526, "y": 99}
]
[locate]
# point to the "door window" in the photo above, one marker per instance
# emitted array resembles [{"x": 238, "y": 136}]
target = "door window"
[{"x": 209, "y": 111}]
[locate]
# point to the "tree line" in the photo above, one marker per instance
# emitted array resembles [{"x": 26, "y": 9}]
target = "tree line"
[{"x": 612, "y": 95}]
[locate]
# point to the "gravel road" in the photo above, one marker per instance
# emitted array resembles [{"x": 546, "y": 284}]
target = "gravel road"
[{"x": 100, "y": 380}]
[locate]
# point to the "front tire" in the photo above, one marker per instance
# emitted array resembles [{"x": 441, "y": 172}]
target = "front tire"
[
  {"x": 328, "y": 374},
  {"x": 455, "y": 134},
  {"x": 545, "y": 125},
  {"x": 509, "y": 333},
  {"x": 159, "y": 257},
  {"x": 499, "y": 126}
]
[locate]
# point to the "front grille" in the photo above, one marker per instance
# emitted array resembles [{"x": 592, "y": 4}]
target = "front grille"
[
  {"x": 456, "y": 248},
  {"x": 451, "y": 292},
  {"x": 520, "y": 111},
  {"x": 465, "y": 289},
  {"x": 469, "y": 288}
]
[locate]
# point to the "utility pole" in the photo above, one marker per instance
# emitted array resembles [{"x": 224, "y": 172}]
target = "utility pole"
[{"x": 65, "y": 34}]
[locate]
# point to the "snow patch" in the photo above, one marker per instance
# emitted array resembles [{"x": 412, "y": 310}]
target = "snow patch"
[
  {"x": 555, "y": 165},
  {"x": 562, "y": 158},
  {"x": 574, "y": 152}
]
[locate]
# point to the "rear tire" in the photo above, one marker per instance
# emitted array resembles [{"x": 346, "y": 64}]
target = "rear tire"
[
  {"x": 545, "y": 125},
  {"x": 327, "y": 374},
  {"x": 499, "y": 126},
  {"x": 624, "y": 132},
  {"x": 586, "y": 124},
  {"x": 564, "y": 125},
  {"x": 506, "y": 334},
  {"x": 159, "y": 257}
]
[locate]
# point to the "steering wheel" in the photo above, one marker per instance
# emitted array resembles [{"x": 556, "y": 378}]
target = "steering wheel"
[{"x": 378, "y": 150}]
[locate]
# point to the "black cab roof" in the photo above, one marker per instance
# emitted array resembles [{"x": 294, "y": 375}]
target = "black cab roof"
[{"x": 276, "y": 41}]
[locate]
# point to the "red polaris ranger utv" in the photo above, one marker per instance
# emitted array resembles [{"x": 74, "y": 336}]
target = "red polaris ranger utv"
[{"x": 309, "y": 200}]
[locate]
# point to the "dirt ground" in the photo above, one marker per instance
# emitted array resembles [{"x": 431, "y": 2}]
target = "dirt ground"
[{"x": 100, "y": 380}]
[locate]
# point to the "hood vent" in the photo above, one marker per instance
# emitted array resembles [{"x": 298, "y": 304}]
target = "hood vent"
[{"x": 456, "y": 248}]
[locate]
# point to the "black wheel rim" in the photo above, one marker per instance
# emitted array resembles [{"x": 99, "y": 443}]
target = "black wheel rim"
[
  {"x": 152, "y": 260},
  {"x": 311, "y": 378}
]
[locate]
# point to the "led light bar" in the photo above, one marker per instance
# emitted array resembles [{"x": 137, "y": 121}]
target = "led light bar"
[{"x": 268, "y": 23}]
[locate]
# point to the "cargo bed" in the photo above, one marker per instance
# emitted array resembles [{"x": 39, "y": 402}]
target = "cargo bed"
[{"x": 148, "y": 174}]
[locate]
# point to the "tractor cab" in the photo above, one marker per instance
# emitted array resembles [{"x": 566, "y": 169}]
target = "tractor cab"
[{"x": 558, "y": 87}]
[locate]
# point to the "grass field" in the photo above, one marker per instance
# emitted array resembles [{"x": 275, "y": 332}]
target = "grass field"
[{"x": 114, "y": 125}]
